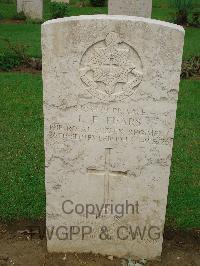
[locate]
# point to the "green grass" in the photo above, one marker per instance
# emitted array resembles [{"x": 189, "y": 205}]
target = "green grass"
[
  {"x": 29, "y": 34},
  {"x": 7, "y": 10},
  {"x": 192, "y": 43},
  {"x": 22, "y": 192},
  {"x": 184, "y": 201},
  {"x": 164, "y": 14}
]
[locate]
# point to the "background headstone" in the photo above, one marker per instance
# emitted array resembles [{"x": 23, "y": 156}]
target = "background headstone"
[
  {"x": 19, "y": 5},
  {"x": 61, "y": 1},
  {"x": 110, "y": 96},
  {"x": 32, "y": 9},
  {"x": 139, "y": 8}
]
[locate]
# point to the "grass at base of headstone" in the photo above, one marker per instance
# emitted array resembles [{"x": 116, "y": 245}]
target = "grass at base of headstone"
[
  {"x": 7, "y": 10},
  {"x": 184, "y": 201},
  {"x": 22, "y": 191},
  {"x": 192, "y": 43}
]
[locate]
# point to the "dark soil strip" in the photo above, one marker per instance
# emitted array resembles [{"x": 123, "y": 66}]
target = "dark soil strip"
[{"x": 12, "y": 21}]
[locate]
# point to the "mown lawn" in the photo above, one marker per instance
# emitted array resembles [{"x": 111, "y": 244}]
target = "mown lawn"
[
  {"x": 184, "y": 201},
  {"x": 22, "y": 156},
  {"x": 192, "y": 43},
  {"x": 27, "y": 34}
]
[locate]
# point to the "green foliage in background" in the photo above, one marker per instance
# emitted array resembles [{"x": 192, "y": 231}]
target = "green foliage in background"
[
  {"x": 59, "y": 10},
  {"x": 98, "y": 2},
  {"x": 12, "y": 56},
  {"x": 19, "y": 16},
  {"x": 26, "y": 34},
  {"x": 183, "y": 9},
  {"x": 194, "y": 18},
  {"x": 191, "y": 68}
]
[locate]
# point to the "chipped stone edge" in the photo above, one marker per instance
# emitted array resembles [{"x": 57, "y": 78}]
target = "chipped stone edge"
[{"x": 115, "y": 18}]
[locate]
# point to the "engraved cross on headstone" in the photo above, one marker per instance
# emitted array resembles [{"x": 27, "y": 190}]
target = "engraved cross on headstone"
[{"x": 106, "y": 172}]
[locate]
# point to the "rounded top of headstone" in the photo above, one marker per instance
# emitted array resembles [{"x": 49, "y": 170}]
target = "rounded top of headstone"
[{"x": 114, "y": 18}]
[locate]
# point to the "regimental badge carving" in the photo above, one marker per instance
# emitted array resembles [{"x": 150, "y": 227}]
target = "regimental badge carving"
[{"x": 111, "y": 69}]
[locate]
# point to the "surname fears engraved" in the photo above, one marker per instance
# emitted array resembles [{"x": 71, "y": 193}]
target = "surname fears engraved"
[{"x": 111, "y": 69}]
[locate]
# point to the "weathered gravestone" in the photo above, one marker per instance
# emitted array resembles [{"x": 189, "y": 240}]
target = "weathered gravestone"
[
  {"x": 139, "y": 8},
  {"x": 32, "y": 9},
  {"x": 110, "y": 95}
]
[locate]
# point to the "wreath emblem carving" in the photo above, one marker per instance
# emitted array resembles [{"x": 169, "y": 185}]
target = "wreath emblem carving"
[{"x": 111, "y": 69}]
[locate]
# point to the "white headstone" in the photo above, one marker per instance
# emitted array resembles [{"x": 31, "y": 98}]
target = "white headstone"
[
  {"x": 110, "y": 96},
  {"x": 32, "y": 9},
  {"x": 139, "y": 8},
  {"x": 19, "y": 5}
]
